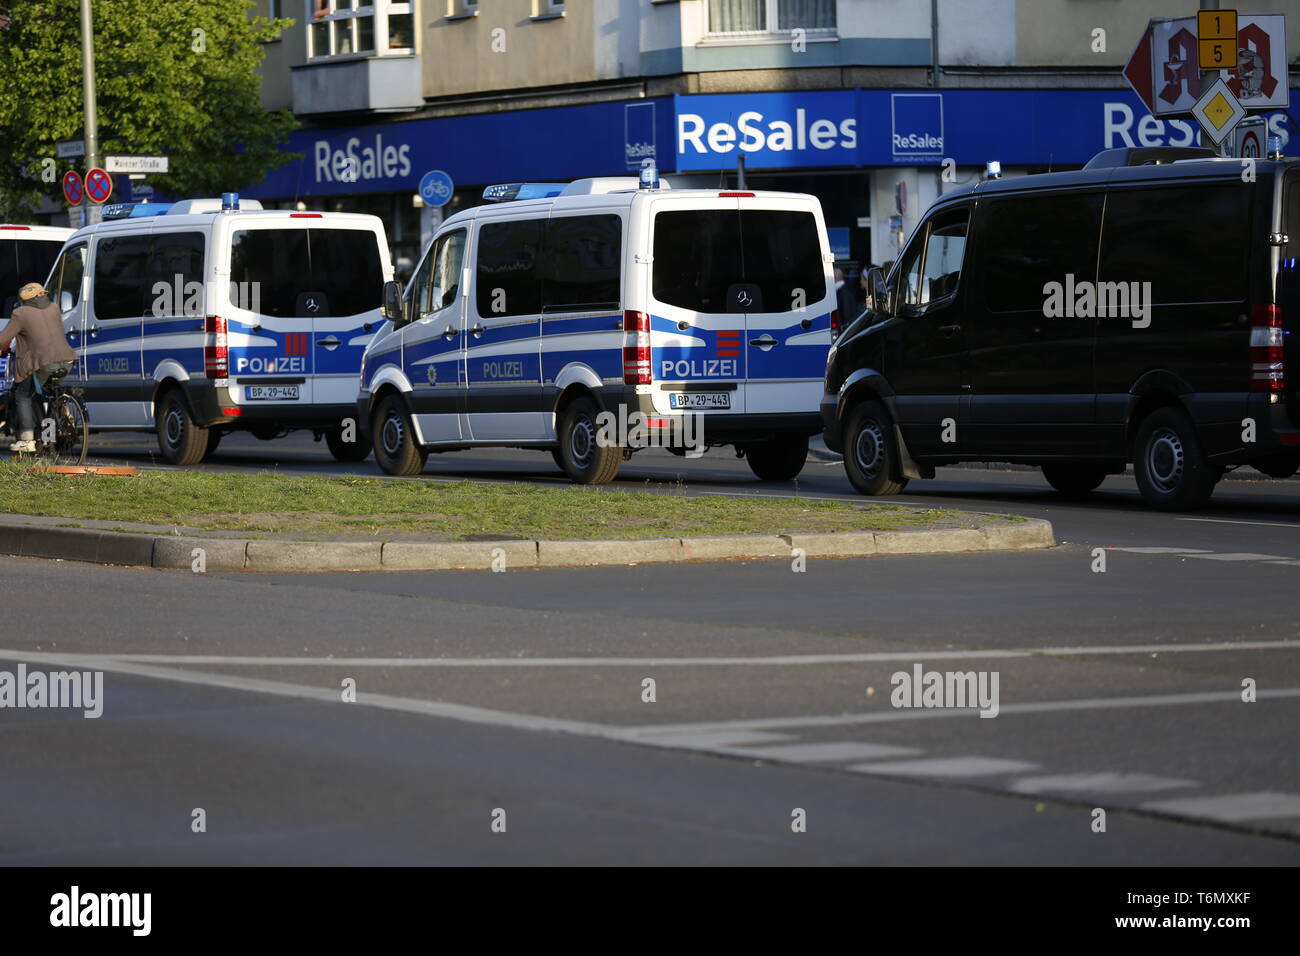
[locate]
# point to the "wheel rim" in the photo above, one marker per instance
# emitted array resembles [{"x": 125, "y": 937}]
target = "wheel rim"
[
  {"x": 869, "y": 449},
  {"x": 173, "y": 426},
  {"x": 1166, "y": 459},
  {"x": 393, "y": 435},
  {"x": 582, "y": 441}
]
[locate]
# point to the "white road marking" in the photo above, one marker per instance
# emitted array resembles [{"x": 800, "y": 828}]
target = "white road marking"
[
  {"x": 714, "y": 740},
  {"x": 1239, "y": 556},
  {"x": 1163, "y": 550},
  {"x": 1292, "y": 563},
  {"x": 1105, "y": 782},
  {"x": 1233, "y": 807},
  {"x": 833, "y": 750},
  {"x": 1265, "y": 524},
  {"x": 910, "y": 656},
  {"x": 947, "y": 767}
]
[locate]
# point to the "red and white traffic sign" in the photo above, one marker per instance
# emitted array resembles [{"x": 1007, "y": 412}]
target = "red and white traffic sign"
[
  {"x": 1260, "y": 79},
  {"x": 72, "y": 188},
  {"x": 99, "y": 184}
]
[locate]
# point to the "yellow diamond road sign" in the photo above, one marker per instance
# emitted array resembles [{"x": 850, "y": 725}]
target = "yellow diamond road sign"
[{"x": 1218, "y": 111}]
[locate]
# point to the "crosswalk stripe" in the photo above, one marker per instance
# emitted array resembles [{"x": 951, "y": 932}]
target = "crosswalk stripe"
[
  {"x": 1233, "y": 807},
  {"x": 1104, "y": 782},
  {"x": 1163, "y": 550},
  {"x": 947, "y": 767},
  {"x": 829, "y": 751},
  {"x": 712, "y": 740},
  {"x": 1239, "y": 556}
]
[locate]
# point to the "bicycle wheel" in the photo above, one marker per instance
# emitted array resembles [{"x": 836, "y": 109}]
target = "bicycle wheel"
[{"x": 71, "y": 432}]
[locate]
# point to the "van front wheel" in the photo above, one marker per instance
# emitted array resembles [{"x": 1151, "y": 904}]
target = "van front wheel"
[
  {"x": 396, "y": 450},
  {"x": 584, "y": 458},
  {"x": 1172, "y": 473},
  {"x": 343, "y": 450},
  {"x": 778, "y": 459},
  {"x": 870, "y": 453},
  {"x": 180, "y": 440}
]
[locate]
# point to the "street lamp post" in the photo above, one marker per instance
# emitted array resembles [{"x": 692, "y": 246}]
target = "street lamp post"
[{"x": 88, "y": 86}]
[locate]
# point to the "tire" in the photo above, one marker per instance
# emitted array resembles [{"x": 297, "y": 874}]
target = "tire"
[
  {"x": 1172, "y": 473},
  {"x": 214, "y": 439},
  {"x": 871, "y": 458},
  {"x": 558, "y": 458},
  {"x": 778, "y": 459},
  {"x": 1074, "y": 479},
  {"x": 71, "y": 431},
  {"x": 393, "y": 435},
  {"x": 346, "y": 451},
  {"x": 180, "y": 440},
  {"x": 582, "y": 457}
]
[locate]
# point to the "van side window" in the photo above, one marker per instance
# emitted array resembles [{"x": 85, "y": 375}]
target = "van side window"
[
  {"x": 68, "y": 276},
  {"x": 909, "y": 275},
  {"x": 419, "y": 291},
  {"x": 583, "y": 266},
  {"x": 509, "y": 274},
  {"x": 944, "y": 248},
  {"x": 1027, "y": 242},
  {"x": 121, "y": 267},
  {"x": 1191, "y": 243},
  {"x": 175, "y": 260},
  {"x": 448, "y": 259}
]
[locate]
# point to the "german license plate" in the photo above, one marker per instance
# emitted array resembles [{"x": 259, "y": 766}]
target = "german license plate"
[
  {"x": 271, "y": 393},
  {"x": 699, "y": 400}
]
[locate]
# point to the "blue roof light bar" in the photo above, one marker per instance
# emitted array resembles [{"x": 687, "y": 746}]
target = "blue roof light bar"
[{"x": 511, "y": 192}]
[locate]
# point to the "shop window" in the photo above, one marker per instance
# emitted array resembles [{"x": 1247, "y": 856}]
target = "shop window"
[
  {"x": 764, "y": 17},
  {"x": 359, "y": 28}
]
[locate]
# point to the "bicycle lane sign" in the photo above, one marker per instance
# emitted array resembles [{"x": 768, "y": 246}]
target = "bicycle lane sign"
[{"x": 436, "y": 188}]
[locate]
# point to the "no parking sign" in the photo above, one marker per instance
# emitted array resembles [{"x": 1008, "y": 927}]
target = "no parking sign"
[
  {"x": 72, "y": 188},
  {"x": 99, "y": 185}
]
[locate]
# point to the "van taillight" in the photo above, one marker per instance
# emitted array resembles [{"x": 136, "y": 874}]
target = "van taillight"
[
  {"x": 835, "y": 323},
  {"x": 1267, "y": 373},
  {"x": 216, "y": 355},
  {"x": 636, "y": 348}
]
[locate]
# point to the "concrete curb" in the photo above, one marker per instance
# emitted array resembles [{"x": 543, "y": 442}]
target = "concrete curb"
[{"x": 234, "y": 554}]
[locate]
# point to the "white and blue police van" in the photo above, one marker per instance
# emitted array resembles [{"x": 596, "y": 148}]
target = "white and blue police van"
[
  {"x": 202, "y": 317},
  {"x": 26, "y": 254},
  {"x": 538, "y": 319}
]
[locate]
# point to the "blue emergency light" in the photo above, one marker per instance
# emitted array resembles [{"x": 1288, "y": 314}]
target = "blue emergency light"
[
  {"x": 135, "y": 210},
  {"x": 509, "y": 192},
  {"x": 649, "y": 175},
  {"x": 230, "y": 202}
]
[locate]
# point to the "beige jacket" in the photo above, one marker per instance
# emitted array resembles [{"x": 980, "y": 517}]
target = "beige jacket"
[{"x": 42, "y": 339}]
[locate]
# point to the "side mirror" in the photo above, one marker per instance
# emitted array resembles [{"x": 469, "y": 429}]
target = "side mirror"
[
  {"x": 392, "y": 309},
  {"x": 878, "y": 293},
  {"x": 65, "y": 301}
]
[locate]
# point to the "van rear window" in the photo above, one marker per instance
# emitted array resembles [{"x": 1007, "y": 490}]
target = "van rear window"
[
  {"x": 699, "y": 254},
  {"x": 1191, "y": 243},
  {"x": 337, "y": 270},
  {"x": 23, "y": 261}
]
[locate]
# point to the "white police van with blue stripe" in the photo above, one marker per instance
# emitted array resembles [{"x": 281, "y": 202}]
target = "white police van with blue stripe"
[
  {"x": 553, "y": 312},
  {"x": 206, "y": 316}
]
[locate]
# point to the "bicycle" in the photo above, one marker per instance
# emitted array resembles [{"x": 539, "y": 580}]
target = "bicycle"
[{"x": 62, "y": 427}]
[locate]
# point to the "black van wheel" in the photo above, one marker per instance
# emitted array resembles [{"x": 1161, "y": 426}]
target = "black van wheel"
[
  {"x": 180, "y": 440},
  {"x": 558, "y": 458},
  {"x": 1074, "y": 479},
  {"x": 870, "y": 453},
  {"x": 1172, "y": 473},
  {"x": 583, "y": 458},
  {"x": 349, "y": 451},
  {"x": 396, "y": 450},
  {"x": 778, "y": 459},
  {"x": 214, "y": 439}
]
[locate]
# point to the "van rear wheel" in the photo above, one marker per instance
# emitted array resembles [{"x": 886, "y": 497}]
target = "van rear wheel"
[
  {"x": 582, "y": 456},
  {"x": 343, "y": 450},
  {"x": 871, "y": 458},
  {"x": 180, "y": 440},
  {"x": 778, "y": 459},
  {"x": 396, "y": 450},
  {"x": 1074, "y": 479},
  {"x": 1172, "y": 473}
]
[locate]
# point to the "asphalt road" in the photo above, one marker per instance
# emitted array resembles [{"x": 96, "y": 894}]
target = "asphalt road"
[{"x": 521, "y": 696}]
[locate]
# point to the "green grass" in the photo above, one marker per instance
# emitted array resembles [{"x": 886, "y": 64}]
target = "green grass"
[{"x": 349, "y": 505}]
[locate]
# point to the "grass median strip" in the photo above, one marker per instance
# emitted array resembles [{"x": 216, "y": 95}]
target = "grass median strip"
[{"x": 268, "y": 503}]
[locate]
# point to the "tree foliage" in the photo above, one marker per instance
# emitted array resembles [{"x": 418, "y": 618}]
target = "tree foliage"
[{"x": 174, "y": 77}]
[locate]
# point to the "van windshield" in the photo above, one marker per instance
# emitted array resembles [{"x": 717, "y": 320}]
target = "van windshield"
[
  {"x": 306, "y": 273},
  {"x": 23, "y": 261},
  {"x": 700, "y": 254}
]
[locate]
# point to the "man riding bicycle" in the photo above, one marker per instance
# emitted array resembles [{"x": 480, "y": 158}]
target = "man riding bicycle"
[{"x": 45, "y": 354}]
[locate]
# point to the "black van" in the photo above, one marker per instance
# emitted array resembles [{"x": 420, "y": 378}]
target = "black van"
[{"x": 1138, "y": 310}]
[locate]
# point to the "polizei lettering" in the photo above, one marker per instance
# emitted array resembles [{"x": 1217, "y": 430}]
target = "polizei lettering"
[{"x": 699, "y": 368}]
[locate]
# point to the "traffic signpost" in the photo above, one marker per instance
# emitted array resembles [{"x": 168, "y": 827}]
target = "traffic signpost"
[
  {"x": 73, "y": 191},
  {"x": 99, "y": 185},
  {"x": 1216, "y": 39}
]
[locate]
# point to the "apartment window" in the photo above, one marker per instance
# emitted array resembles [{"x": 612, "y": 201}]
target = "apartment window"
[
  {"x": 359, "y": 28},
  {"x": 758, "y": 17}
]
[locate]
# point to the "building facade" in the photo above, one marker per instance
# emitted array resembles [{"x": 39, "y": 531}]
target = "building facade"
[{"x": 875, "y": 106}]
